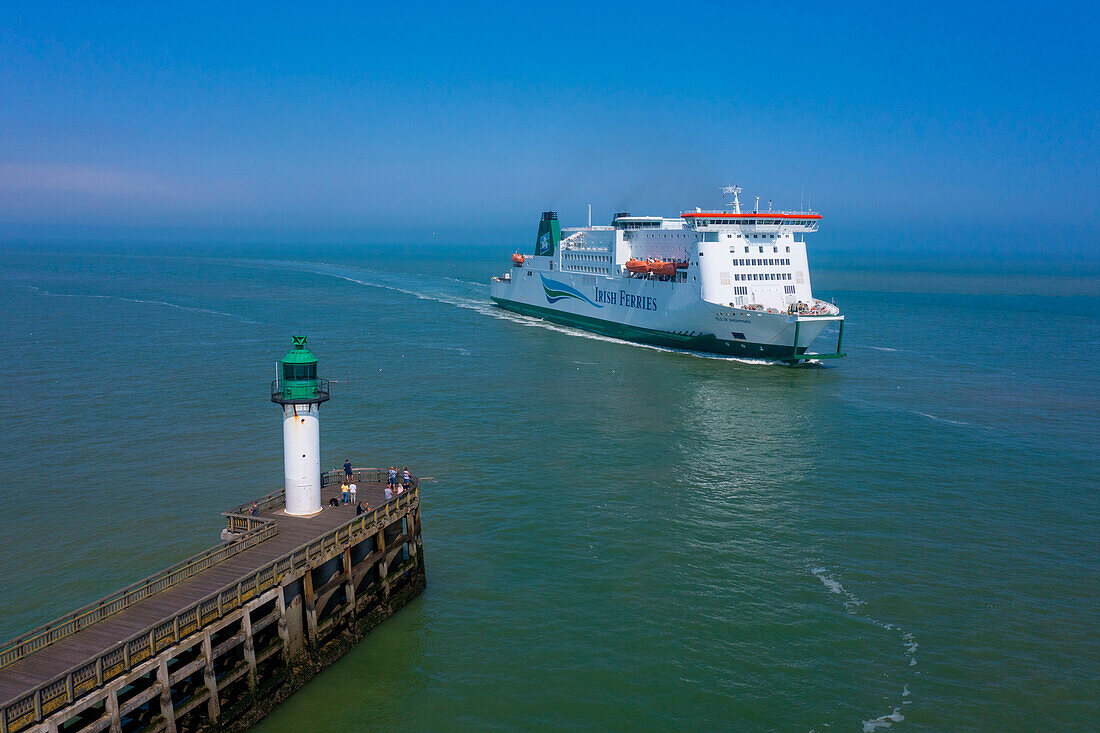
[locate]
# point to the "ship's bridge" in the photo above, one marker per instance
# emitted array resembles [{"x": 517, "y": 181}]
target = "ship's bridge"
[
  {"x": 625, "y": 221},
  {"x": 772, "y": 222}
]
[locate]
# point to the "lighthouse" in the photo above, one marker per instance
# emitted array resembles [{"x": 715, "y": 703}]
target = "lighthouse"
[{"x": 300, "y": 393}]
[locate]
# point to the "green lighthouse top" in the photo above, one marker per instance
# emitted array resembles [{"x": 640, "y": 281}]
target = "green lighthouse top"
[
  {"x": 299, "y": 354},
  {"x": 298, "y": 382}
]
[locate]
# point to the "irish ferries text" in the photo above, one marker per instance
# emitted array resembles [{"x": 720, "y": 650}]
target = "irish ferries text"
[{"x": 621, "y": 297}]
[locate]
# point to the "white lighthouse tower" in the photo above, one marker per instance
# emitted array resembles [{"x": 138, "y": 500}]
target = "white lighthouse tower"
[{"x": 300, "y": 393}]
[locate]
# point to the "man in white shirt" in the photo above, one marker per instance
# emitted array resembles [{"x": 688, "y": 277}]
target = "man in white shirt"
[{"x": 351, "y": 491}]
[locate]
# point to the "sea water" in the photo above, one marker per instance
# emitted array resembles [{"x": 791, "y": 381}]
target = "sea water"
[{"x": 617, "y": 536}]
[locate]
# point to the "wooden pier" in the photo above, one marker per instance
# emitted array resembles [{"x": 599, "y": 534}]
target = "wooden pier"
[{"x": 221, "y": 638}]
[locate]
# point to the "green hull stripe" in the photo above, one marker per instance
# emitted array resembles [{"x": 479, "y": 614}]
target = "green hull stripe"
[{"x": 650, "y": 336}]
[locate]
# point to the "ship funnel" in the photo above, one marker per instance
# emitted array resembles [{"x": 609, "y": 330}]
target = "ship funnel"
[{"x": 549, "y": 234}]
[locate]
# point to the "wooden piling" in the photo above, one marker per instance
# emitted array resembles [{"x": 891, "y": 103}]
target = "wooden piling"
[{"x": 271, "y": 612}]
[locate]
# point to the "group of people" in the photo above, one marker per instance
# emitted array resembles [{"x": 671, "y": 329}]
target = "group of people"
[
  {"x": 392, "y": 489},
  {"x": 348, "y": 488}
]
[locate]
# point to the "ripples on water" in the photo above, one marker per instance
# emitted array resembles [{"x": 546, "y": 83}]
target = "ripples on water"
[{"x": 620, "y": 536}]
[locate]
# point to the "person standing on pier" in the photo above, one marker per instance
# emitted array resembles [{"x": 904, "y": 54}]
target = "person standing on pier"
[
  {"x": 393, "y": 478},
  {"x": 351, "y": 492},
  {"x": 344, "y": 493},
  {"x": 406, "y": 477},
  {"x": 347, "y": 469}
]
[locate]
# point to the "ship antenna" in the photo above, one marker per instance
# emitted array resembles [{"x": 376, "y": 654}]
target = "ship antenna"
[
  {"x": 590, "y": 216},
  {"x": 733, "y": 191}
]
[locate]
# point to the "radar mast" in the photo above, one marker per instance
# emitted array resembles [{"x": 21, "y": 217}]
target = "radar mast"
[{"x": 733, "y": 191}]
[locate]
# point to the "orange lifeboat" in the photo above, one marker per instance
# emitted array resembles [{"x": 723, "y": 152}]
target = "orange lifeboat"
[
  {"x": 681, "y": 265},
  {"x": 638, "y": 267},
  {"x": 660, "y": 267},
  {"x": 517, "y": 260}
]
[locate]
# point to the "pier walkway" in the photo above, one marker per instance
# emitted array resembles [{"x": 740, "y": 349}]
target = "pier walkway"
[{"x": 51, "y": 668}]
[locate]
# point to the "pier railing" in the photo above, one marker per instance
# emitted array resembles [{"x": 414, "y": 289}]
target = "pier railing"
[
  {"x": 253, "y": 530},
  {"x": 90, "y": 674},
  {"x": 370, "y": 475},
  {"x": 274, "y": 500}
]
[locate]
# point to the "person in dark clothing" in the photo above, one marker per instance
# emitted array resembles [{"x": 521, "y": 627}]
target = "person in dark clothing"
[
  {"x": 359, "y": 509},
  {"x": 334, "y": 501},
  {"x": 347, "y": 468}
]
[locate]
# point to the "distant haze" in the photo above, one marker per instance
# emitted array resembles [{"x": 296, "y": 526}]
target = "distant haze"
[{"x": 393, "y": 121}]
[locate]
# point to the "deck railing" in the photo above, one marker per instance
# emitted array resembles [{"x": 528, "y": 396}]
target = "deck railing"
[
  {"x": 370, "y": 475},
  {"x": 253, "y": 531},
  {"x": 90, "y": 674},
  {"x": 274, "y": 500}
]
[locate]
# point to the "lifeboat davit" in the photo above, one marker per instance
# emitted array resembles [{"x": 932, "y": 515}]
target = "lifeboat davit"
[
  {"x": 517, "y": 260},
  {"x": 638, "y": 267},
  {"x": 660, "y": 267}
]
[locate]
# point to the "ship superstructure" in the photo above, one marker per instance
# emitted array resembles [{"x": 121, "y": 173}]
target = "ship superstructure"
[{"x": 728, "y": 282}]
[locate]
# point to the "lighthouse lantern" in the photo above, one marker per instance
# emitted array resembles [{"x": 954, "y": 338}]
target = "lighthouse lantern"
[{"x": 300, "y": 392}]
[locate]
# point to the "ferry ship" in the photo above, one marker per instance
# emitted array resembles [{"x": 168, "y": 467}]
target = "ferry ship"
[{"x": 727, "y": 282}]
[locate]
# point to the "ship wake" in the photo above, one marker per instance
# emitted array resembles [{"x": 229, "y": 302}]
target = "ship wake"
[
  {"x": 853, "y": 604},
  {"x": 475, "y": 297}
]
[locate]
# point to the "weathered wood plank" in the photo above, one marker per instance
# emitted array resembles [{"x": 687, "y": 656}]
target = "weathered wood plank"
[{"x": 55, "y": 659}]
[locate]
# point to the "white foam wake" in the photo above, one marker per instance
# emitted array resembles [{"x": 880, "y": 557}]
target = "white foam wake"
[
  {"x": 194, "y": 309},
  {"x": 482, "y": 305},
  {"x": 937, "y": 418},
  {"x": 853, "y": 604}
]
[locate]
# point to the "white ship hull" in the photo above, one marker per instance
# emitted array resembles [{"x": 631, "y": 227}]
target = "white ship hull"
[
  {"x": 726, "y": 282},
  {"x": 656, "y": 312}
]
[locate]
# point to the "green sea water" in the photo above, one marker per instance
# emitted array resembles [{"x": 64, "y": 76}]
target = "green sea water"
[{"x": 618, "y": 537}]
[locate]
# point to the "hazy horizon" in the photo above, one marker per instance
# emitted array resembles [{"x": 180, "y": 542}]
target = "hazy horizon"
[{"x": 910, "y": 128}]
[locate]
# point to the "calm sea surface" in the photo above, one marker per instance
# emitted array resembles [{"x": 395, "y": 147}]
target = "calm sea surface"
[{"x": 618, "y": 537}]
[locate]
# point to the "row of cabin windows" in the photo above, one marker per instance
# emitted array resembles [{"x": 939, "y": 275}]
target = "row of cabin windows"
[
  {"x": 774, "y": 249},
  {"x": 584, "y": 268},
  {"x": 754, "y": 222},
  {"x": 763, "y": 276},
  {"x": 713, "y": 236},
  {"x": 763, "y": 262},
  {"x": 299, "y": 371},
  {"x": 593, "y": 258}
]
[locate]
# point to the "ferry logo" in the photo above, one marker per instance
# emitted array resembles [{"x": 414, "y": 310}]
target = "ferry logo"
[{"x": 556, "y": 291}]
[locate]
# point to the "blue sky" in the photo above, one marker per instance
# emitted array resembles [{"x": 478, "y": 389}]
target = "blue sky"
[{"x": 347, "y": 122}]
